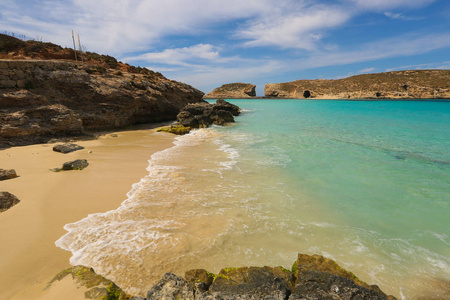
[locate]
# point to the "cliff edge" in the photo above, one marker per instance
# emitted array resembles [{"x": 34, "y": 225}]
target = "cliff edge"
[
  {"x": 237, "y": 90},
  {"x": 414, "y": 84},
  {"x": 42, "y": 99}
]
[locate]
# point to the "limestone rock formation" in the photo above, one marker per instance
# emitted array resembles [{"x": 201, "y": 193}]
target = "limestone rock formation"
[
  {"x": 233, "y": 91},
  {"x": 7, "y": 200},
  {"x": 312, "y": 277},
  {"x": 42, "y": 99},
  {"x": 202, "y": 115},
  {"x": 67, "y": 148},
  {"x": 7, "y": 174},
  {"x": 415, "y": 84},
  {"x": 171, "y": 287}
]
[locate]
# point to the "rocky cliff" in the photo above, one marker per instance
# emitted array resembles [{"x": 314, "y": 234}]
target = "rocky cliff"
[
  {"x": 44, "y": 99},
  {"x": 233, "y": 91},
  {"x": 418, "y": 84}
]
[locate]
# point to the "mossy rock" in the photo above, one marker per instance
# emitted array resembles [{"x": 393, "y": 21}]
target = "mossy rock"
[
  {"x": 175, "y": 129},
  {"x": 99, "y": 288}
]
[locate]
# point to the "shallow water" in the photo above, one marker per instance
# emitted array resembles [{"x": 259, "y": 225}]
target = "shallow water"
[{"x": 364, "y": 183}]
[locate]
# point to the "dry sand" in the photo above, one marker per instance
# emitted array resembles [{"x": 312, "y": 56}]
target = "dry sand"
[{"x": 29, "y": 258}]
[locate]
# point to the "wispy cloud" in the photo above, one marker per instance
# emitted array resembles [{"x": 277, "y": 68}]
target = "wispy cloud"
[
  {"x": 366, "y": 70},
  {"x": 298, "y": 27},
  {"x": 399, "y": 16}
]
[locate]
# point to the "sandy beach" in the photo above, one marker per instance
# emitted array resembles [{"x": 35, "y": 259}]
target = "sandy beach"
[{"x": 28, "y": 231}]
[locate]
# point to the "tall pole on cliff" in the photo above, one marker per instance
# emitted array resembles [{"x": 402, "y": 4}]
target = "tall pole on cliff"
[
  {"x": 74, "y": 48},
  {"x": 79, "y": 47}
]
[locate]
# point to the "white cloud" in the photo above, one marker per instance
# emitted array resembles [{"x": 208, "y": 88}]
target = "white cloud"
[
  {"x": 399, "y": 46},
  {"x": 378, "y": 5},
  {"x": 399, "y": 16},
  {"x": 181, "y": 56},
  {"x": 300, "y": 29},
  {"x": 366, "y": 70}
]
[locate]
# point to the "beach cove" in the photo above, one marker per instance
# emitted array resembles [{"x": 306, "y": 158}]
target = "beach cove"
[{"x": 50, "y": 200}]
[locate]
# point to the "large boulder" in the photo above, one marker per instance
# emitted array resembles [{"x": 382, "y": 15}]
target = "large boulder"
[
  {"x": 202, "y": 115},
  {"x": 7, "y": 200},
  {"x": 251, "y": 283},
  {"x": 171, "y": 287}
]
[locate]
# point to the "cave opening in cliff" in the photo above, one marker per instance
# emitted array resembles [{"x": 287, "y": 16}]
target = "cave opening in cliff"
[{"x": 306, "y": 94}]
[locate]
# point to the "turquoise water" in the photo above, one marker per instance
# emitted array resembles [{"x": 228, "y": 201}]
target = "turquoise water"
[{"x": 366, "y": 183}]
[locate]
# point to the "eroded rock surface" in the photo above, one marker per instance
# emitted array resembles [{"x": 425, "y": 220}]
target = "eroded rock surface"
[
  {"x": 42, "y": 99},
  {"x": 312, "y": 277},
  {"x": 413, "y": 84},
  {"x": 203, "y": 115},
  {"x": 233, "y": 91}
]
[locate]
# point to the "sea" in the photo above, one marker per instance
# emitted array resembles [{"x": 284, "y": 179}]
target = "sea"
[{"x": 365, "y": 183}]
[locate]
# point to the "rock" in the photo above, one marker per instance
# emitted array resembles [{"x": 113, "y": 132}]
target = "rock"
[
  {"x": 322, "y": 278},
  {"x": 66, "y": 100},
  {"x": 67, "y": 148},
  {"x": 7, "y": 200},
  {"x": 227, "y": 106},
  {"x": 321, "y": 285},
  {"x": 251, "y": 283},
  {"x": 410, "y": 84},
  {"x": 99, "y": 288},
  {"x": 78, "y": 164},
  {"x": 233, "y": 91},
  {"x": 199, "y": 279},
  {"x": 312, "y": 277},
  {"x": 175, "y": 129},
  {"x": 7, "y": 174},
  {"x": 171, "y": 287},
  {"x": 202, "y": 115}
]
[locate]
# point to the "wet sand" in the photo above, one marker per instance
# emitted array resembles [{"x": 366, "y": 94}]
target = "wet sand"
[{"x": 28, "y": 231}]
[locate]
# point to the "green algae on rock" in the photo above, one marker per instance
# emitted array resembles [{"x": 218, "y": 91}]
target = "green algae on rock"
[{"x": 99, "y": 288}]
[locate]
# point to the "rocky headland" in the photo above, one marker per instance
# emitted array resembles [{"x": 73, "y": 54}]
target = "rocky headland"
[
  {"x": 46, "y": 96},
  {"x": 414, "y": 84},
  {"x": 233, "y": 91}
]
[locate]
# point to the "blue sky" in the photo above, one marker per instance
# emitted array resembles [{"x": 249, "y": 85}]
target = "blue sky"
[{"x": 207, "y": 43}]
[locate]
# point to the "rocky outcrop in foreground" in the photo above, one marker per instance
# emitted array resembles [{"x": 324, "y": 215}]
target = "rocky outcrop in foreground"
[
  {"x": 202, "y": 115},
  {"x": 233, "y": 91},
  {"x": 42, "y": 99},
  {"x": 311, "y": 277},
  {"x": 417, "y": 84}
]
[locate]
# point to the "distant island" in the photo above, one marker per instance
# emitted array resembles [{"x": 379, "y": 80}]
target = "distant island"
[{"x": 409, "y": 84}]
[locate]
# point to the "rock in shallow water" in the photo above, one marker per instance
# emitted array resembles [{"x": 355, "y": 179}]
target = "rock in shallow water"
[{"x": 312, "y": 277}]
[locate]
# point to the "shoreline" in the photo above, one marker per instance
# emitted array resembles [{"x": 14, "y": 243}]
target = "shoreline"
[{"x": 51, "y": 200}]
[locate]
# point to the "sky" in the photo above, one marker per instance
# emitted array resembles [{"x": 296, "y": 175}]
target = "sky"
[{"x": 207, "y": 43}]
